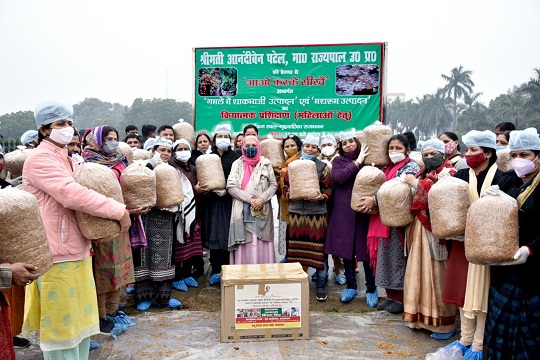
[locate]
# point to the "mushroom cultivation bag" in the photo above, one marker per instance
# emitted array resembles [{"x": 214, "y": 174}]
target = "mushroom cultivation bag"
[
  {"x": 395, "y": 201},
  {"x": 210, "y": 172},
  {"x": 448, "y": 218},
  {"x": 138, "y": 187},
  {"x": 377, "y": 137},
  {"x": 368, "y": 181},
  {"x": 169, "y": 191},
  {"x": 273, "y": 151},
  {"x": 303, "y": 180},
  {"x": 184, "y": 130}
]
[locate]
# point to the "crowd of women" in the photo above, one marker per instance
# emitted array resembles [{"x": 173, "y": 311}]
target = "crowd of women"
[{"x": 426, "y": 279}]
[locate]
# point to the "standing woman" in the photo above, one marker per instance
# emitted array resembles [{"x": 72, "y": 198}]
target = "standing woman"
[
  {"x": 203, "y": 144},
  {"x": 347, "y": 229},
  {"x": 306, "y": 232},
  {"x": 154, "y": 264},
  {"x": 218, "y": 206},
  {"x": 252, "y": 184},
  {"x": 189, "y": 248},
  {"x": 452, "y": 150},
  {"x": 512, "y": 330},
  {"x": 467, "y": 284},
  {"x": 62, "y": 303},
  {"x": 427, "y": 256},
  {"x": 386, "y": 243},
  {"x": 291, "y": 146}
]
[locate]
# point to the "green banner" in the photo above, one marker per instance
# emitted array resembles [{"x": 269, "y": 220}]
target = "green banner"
[{"x": 321, "y": 89}]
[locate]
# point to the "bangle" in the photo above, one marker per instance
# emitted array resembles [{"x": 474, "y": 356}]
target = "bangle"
[{"x": 375, "y": 200}]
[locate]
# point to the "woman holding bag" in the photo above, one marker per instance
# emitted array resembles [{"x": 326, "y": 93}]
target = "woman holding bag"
[{"x": 252, "y": 184}]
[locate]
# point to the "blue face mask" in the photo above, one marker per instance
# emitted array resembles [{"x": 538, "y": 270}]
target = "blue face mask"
[
  {"x": 251, "y": 152},
  {"x": 308, "y": 157},
  {"x": 500, "y": 147}
]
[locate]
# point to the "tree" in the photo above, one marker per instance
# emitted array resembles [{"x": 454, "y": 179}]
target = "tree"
[
  {"x": 92, "y": 112},
  {"x": 477, "y": 117},
  {"x": 434, "y": 113},
  {"x": 157, "y": 112},
  {"x": 13, "y": 125},
  {"x": 458, "y": 84},
  {"x": 512, "y": 107}
]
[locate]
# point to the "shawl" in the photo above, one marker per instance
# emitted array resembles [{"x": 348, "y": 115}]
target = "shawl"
[
  {"x": 420, "y": 202},
  {"x": 93, "y": 152},
  {"x": 280, "y": 178},
  {"x": 376, "y": 228},
  {"x": 249, "y": 163},
  {"x": 528, "y": 191},
  {"x": 186, "y": 215}
]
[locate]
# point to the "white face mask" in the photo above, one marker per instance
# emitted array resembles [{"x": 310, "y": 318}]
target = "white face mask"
[
  {"x": 328, "y": 151},
  {"x": 134, "y": 148},
  {"x": 183, "y": 155},
  {"x": 223, "y": 143},
  {"x": 396, "y": 157},
  {"x": 62, "y": 136}
]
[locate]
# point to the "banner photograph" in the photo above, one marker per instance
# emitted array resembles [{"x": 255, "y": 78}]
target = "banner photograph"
[{"x": 320, "y": 89}]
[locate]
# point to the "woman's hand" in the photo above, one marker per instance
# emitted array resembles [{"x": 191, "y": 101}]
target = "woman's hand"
[
  {"x": 125, "y": 222},
  {"x": 320, "y": 197},
  {"x": 21, "y": 273},
  {"x": 366, "y": 204},
  {"x": 257, "y": 203},
  {"x": 411, "y": 180},
  {"x": 201, "y": 189}
]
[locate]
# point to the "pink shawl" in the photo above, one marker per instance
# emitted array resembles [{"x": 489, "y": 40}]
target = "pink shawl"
[{"x": 250, "y": 163}]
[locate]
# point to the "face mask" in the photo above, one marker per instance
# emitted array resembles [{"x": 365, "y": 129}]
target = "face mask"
[
  {"x": 62, "y": 136},
  {"x": 73, "y": 153},
  {"x": 308, "y": 157},
  {"x": 223, "y": 144},
  {"x": 476, "y": 160},
  {"x": 1, "y": 167},
  {"x": 110, "y": 146},
  {"x": 251, "y": 152},
  {"x": 352, "y": 155},
  {"x": 396, "y": 157},
  {"x": 291, "y": 151},
  {"x": 500, "y": 147},
  {"x": 134, "y": 148},
  {"x": 434, "y": 162},
  {"x": 450, "y": 147},
  {"x": 522, "y": 167},
  {"x": 183, "y": 155},
  {"x": 328, "y": 151}
]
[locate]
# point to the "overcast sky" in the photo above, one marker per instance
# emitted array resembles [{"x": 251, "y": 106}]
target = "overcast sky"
[{"x": 120, "y": 50}]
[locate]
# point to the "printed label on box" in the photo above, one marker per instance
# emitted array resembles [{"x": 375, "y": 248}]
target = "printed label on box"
[{"x": 272, "y": 306}]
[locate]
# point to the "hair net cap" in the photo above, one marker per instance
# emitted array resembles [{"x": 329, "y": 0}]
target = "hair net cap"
[
  {"x": 524, "y": 140},
  {"x": 480, "y": 138},
  {"x": 223, "y": 128},
  {"x": 50, "y": 111},
  {"x": 312, "y": 139},
  {"x": 29, "y": 136},
  {"x": 433, "y": 144},
  {"x": 328, "y": 139},
  {"x": 149, "y": 143},
  {"x": 163, "y": 142},
  {"x": 181, "y": 141},
  {"x": 347, "y": 135}
]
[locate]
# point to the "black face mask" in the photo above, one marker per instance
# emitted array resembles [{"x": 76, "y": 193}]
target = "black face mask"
[{"x": 434, "y": 162}]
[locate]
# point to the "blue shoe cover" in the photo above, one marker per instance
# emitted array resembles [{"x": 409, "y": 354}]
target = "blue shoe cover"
[
  {"x": 284, "y": 260},
  {"x": 443, "y": 336},
  {"x": 117, "y": 330},
  {"x": 348, "y": 294},
  {"x": 462, "y": 347},
  {"x": 474, "y": 355},
  {"x": 94, "y": 345},
  {"x": 191, "y": 282},
  {"x": 215, "y": 279},
  {"x": 144, "y": 305},
  {"x": 179, "y": 285},
  {"x": 173, "y": 303},
  {"x": 314, "y": 277},
  {"x": 372, "y": 299},
  {"x": 130, "y": 289},
  {"x": 121, "y": 318},
  {"x": 340, "y": 279}
]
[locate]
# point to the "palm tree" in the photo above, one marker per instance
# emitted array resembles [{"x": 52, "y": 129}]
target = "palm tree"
[
  {"x": 477, "y": 117},
  {"x": 512, "y": 107},
  {"x": 458, "y": 84},
  {"x": 434, "y": 113}
]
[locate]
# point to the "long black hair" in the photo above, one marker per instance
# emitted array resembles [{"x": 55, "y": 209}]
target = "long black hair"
[
  {"x": 293, "y": 137},
  {"x": 452, "y": 136}
]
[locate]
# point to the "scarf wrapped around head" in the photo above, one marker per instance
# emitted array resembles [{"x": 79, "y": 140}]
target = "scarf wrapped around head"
[
  {"x": 93, "y": 152},
  {"x": 250, "y": 163}
]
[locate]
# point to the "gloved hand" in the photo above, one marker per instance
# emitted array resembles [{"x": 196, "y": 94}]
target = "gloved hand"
[
  {"x": 78, "y": 158},
  {"x": 172, "y": 209},
  {"x": 520, "y": 257},
  {"x": 363, "y": 153},
  {"x": 493, "y": 190},
  {"x": 220, "y": 192},
  {"x": 155, "y": 160},
  {"x": 14, "y": 182},
  {"x": 444, "y": 172}
]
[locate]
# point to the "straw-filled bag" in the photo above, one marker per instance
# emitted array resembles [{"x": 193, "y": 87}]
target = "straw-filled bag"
[
  {"x": 184, "y": 130},
  {"x": 504, "y": 160},
  {"x": 210, "y": 172},
  {"x": 169, "y": 191},
  {"x": 368, "y": 181},
  {"x": 303, "y": 180},
  {"x": 138, "y": 187},
  {"x": 492, "y": 230},
  {"x": 101, "y": 179},
  {"x": 395, "y": 200},
  {"x": 377, "y": 137},
  {"x": 448, "y": 218},
  {"x": 273, "y": 151},
  {"x": 125, "y": 150},
  {"x": 14, "y": 161},
  {"x": 141, "y": 154},
  {"x": 23, "y": 237}
]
